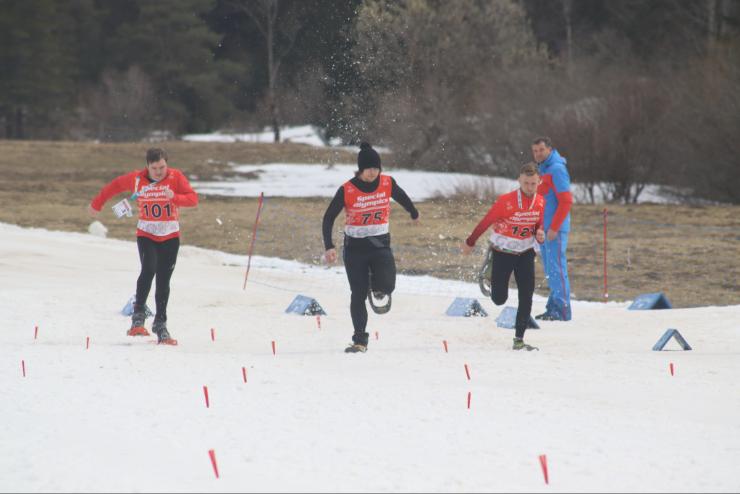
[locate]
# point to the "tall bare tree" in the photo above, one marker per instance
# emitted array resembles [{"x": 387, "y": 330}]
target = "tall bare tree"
[
  {"x": 568, "y": 16},
  {"x": 435, "y": 69},
  {"x": 279, "y": 29}
]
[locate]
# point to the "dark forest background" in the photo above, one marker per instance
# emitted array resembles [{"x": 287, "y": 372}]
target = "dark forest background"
[{"x": 631, "y": 91}]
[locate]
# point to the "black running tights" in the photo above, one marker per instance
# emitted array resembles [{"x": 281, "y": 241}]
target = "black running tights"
[
  {"x": 157, "y": 258},
  {"x": 523, "y": 268},
  {"x": 360, "y": 264}
]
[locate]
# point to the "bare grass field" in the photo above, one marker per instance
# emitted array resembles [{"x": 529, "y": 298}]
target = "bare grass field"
[{"x": 691, "y": 253}]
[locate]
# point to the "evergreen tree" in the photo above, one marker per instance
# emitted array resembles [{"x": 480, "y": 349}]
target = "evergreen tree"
[
  {"x": 172, "y": 43},
  {"x": 38, "y": 57}
]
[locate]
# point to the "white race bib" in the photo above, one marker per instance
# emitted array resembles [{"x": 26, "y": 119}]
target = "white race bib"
[{"x": 122, "y": 208}]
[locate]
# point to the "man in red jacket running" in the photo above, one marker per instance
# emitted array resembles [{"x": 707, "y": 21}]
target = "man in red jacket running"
[
  {"x": 159, "y": 191},
  {"x": 516, "y": 219}
]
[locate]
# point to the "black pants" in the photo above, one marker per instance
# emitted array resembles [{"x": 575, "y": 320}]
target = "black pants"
[
  {"x": 361, "y": 264},
  {"x": 157, "y": 258},
  {"x": 523, "y": 267}
]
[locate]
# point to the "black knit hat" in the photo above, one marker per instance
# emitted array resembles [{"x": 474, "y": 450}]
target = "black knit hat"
[{"x": 367, "y": 157}]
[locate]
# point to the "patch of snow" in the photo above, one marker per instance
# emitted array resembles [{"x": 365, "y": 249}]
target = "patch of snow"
[{"x": 127, "y": 415}]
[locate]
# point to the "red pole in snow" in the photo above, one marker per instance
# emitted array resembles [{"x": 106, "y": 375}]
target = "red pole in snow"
[
  {"x": 254, "y": 237},
  {"x": 23, "y": 367},
  {"x": 273, "y": 347},
  {"x": 205, "y": 392},
  {"x": 671, "y": 368},
  {"x": 212, "y": 455},
  {"x": 35, "y": 332},
  {"x": 543, "y": 464},
  {"x": 467, "y": 371},
  {"x": 444, "y": 343},
  {"x": 213, "y": 334},
  {"x": 87, "y": 343},
  {"x": 244, "y": 373},
  {"x": 318, "y": 321},
  {"x": 606, "y": 291},
  {"x": 469, "y": 396}
]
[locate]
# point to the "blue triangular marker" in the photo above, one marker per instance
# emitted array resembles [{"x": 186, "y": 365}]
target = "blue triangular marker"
[
  {"x": 648, "y": 301},
  {"x": 128, "y": 309},
  {"x": 466, "y": 307},
  {"x": 671, "y": 333},
  {"x": 507, "y": 319},
  {"x": 305, "y": 306}
]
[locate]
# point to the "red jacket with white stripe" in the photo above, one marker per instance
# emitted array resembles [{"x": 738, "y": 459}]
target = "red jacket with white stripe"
[
  {"x": 514, "y": 219},
  {"x": 158, "y": 215}
]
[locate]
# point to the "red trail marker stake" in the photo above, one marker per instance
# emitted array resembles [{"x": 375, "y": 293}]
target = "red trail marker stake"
[
  {"x": 213, "y": 334},
  {"x": 670, "y": 366},
  {"x": 260, "y": 204},
  {"x": 377, "y": 336},
  {"x": 469, "y": 396},
  {"x": 543, "y": 464},
  {"x": 205, "y": 392},
  {"x": 35, "y": 332},
  {"x": 244, "y": 373},
  {"x": 87, "y": 343},
  {"x": 212, "y": 455},
  {"x": 467, "y": 371},
  {"x": 444, "y": 343},
  {"x": 23, "y": 367},
  {"x": 273, "y": 347},
  {"x": 318, "y": 322}
]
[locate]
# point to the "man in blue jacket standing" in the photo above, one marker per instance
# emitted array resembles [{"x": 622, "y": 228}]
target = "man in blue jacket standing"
[{"x": 555, "y": 188}]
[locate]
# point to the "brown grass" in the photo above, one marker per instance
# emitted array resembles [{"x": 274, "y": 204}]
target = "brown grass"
[{"x": 692, "y": 253}]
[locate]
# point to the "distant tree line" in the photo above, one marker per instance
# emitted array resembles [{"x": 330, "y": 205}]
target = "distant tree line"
[{"x": 631, "y": 91}]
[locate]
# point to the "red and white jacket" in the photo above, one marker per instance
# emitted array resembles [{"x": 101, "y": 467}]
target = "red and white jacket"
[
  {"x": 514, "y": 218},
  {"x": 158, "y": 215},
  {"x": 368, "y": 213}
]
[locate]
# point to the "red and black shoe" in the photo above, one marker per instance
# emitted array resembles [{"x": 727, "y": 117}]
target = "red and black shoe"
[
  {"x": 163, "y": 336},
  {"x": 137, "y": 331},
  {"x": 137, "y": 324}
]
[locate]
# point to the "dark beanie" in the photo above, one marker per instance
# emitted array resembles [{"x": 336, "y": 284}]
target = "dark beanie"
[{"x": 367, "y": 157}]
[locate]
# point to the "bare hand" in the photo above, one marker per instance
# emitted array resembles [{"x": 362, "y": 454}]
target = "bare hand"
[
  {"x": 92, "y": 211},
  {"x": 540, "y": 236},
  {"x": 169, "y": 193},
  {"x": 551, "y": 235},
  {"x": 330, "y": 256},
  {"x": 466, "y": 249}
]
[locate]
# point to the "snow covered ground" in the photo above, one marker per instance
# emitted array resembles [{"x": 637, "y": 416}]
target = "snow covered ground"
[
  {"x": 129, "y": 416},
  {"x": 308, "y": 180},
  {"x": 302, "y": 134},
  {"x": 310, "y": 135},
  {"x": 305, "y": 180}
]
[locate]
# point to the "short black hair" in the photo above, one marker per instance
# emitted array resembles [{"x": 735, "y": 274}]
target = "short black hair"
[
  {"x": 155, "y": 154},
  {"x": 544, "y": 140}
]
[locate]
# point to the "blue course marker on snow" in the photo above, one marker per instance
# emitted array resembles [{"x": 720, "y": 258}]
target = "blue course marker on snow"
[
  {"x": 466, "y": 307},
  {"x": 507, "y": 319},
  {"x": 128, "y": 309},
  {"x": 305, "y": 306},
  {"x": 671, "y": 333},
  {"x": 650, "y": 301}
]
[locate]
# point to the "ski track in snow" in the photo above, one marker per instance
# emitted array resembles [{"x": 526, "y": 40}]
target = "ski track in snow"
[{"x": 128, "y": 415}]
